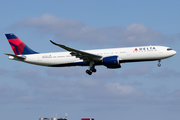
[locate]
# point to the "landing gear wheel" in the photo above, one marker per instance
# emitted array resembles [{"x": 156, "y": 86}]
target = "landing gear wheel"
[
  {"x": 88, "y": 72},
  {"x": 159, "y": 65},
  {"x": 93, "y": 69}
]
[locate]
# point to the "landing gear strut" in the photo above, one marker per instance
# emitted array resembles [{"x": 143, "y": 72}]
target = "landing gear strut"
[
  {"x": 159, "y": 63},
  {"x": 91, "y": 68}
]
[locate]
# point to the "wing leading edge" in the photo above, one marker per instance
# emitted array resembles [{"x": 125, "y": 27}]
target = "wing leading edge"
[{"x": 85, "y": 56}]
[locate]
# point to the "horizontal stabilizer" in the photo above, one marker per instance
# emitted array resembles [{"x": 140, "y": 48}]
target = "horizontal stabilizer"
[{"x": 11, "y": 56}]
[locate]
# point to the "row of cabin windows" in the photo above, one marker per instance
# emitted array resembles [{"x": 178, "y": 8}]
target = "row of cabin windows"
[{"x": 116, "y": 52}]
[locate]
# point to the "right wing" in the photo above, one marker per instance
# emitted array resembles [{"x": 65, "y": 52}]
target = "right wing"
[{"x": 85, "y": 56}]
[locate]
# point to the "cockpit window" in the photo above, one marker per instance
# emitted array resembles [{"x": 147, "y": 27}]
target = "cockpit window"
[{"x": 169, "y": 49}]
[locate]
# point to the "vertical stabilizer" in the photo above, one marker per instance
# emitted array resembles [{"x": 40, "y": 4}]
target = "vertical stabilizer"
[{"x": 18, "y": 46}]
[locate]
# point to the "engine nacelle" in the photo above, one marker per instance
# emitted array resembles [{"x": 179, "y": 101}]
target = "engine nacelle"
[{"x": 112, "y": 62}]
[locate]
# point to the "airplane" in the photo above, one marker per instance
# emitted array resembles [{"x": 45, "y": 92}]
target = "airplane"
[{"x": 111, "y": 58}]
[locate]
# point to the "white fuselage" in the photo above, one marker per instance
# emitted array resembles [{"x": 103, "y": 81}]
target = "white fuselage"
[{"x": 128, "y": 54}]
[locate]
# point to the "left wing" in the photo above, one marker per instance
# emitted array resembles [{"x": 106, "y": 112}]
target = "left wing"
[{"x": 80, "y": 54}]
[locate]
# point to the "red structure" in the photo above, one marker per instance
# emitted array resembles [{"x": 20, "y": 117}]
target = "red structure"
[{"x": 87, "y": 118}]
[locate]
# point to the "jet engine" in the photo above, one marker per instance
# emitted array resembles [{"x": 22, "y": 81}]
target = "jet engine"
[{"x": 112, "y": 62}]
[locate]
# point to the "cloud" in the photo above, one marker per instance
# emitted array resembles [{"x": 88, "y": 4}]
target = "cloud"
[
  {"x": 165, "y": 73},
  {"x": 137, "y": 71},
  {"x": 73, "y": 30},
  {"x": 135, "y": 34},
  {"x": 58, "y": 88},
  {"x": 84, "y": 90},
  {"x": 117, "y": 89},
  {"x": 97, "y": 91},
  {"x": 3, "y": 71},
  {"x": 81, "y": 88},
  {"x": 148, "y": 70},
  {"x": 73, "y": 72},
  {"x": 10, "y": 94},
  {"x": 66, "y": 72},
  {"x": 27, "y": 74},
  {"x": 63, "y": 28}
]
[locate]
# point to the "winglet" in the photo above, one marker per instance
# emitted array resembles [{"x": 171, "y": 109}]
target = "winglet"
[
  {"x": 57, "y": 44},
  {"x": 52, "y": 42},
  {"x": 63, "y": 46}
]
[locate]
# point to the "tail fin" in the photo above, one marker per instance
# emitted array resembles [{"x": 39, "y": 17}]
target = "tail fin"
[{"x": 18, "y": 46}]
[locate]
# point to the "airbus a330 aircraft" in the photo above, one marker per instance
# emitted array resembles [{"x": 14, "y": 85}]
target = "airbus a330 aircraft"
[{"x": 111, "y": 58}]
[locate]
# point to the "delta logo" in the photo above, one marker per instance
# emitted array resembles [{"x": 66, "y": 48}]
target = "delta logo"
[
  {"x": 135, "y": 49},
  {"x": 145, "y": 48}
]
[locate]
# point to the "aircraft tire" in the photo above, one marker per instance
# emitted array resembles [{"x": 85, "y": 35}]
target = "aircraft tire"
[
  {"x": 88, "y": 72},
  {"x": 93, "y": 69},
  {"x": 159, "y": 65}
]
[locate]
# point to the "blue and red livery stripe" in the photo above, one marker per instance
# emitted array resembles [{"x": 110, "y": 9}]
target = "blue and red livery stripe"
[{"x": 18, "y": 46}]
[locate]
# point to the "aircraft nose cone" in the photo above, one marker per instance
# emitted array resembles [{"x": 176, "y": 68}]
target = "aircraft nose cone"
[{"x": 173, "y": 53}]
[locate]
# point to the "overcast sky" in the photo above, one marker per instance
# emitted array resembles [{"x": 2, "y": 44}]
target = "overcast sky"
[{"x": 137, "y": 91}]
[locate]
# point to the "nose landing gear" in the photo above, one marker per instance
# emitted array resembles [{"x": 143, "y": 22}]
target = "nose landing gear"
[{"x": 159, "y": 63}]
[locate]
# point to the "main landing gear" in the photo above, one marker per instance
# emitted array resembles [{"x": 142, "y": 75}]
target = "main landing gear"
[
  {"x": 91, "y": 68},
  {"x": 159, "y": 63}
]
